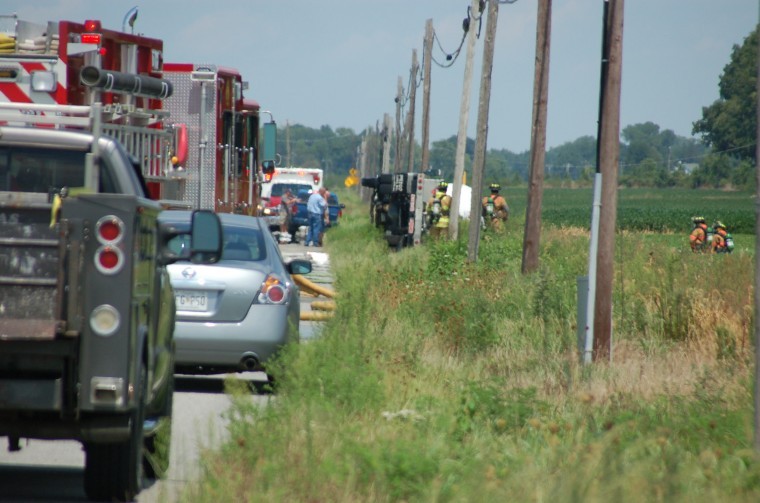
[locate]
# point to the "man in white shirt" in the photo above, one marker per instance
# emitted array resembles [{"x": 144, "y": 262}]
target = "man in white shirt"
[{"x": 316, "y": 206}]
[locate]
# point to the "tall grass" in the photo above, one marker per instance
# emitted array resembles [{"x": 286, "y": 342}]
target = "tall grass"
[{"x": 441, "y": 380}]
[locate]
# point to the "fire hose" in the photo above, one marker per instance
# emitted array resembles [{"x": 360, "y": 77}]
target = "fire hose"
[{"x": 321, "y": 310}]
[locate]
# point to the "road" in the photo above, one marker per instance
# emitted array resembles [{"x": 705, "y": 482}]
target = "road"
[{"x": 53, "y": 470}]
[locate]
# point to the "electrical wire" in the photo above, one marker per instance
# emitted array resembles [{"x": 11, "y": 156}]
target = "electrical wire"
[{"x": 451, "y": 57}]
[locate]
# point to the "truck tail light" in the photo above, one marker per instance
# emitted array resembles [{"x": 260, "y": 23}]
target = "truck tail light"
[
  {"x": 272, "y": 291},
  {"x": 109, "y": 259},
  {"x": 105, "y": 320},
  {"x": 316, "y": 179},
  {"x": 110, "y": 229}
]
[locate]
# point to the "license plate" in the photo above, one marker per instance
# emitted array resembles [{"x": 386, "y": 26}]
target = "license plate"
[{"x": 187, "y": 300}]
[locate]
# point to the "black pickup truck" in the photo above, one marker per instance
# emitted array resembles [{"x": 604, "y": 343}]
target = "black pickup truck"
[{"x": 86, "y": 307}]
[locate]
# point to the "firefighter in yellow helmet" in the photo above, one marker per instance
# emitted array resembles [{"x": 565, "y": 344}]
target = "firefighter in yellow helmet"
[
  {"x": 495, "y": 208},
  {"x": 698, "y": 236},
  {"x": 438, "y": 207}
]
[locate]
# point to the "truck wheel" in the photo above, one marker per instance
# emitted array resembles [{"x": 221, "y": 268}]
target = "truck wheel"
[
  {"x": 114, "y": 471},
  {"x": 157, "y": 446}
]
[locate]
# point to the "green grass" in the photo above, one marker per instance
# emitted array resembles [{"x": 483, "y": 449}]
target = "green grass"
[{"x": 439, "y": 380}]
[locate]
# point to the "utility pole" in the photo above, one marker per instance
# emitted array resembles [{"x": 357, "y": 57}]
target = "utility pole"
[
  {"x": 410, "y": 116},
  {"x": 363, "y": 165},
  {"x": 287, "y": 144},
  {"x": 757, "y": 268},
  {"x": 387, "y": 131},
  {"x": 427, "y": 55},
  {"x": 538, "y": 138},
  {"x": 464, "y": 114},
  {"x": 609, "y": 157},
  {"x": 478, "y": 163},
  {"x": 399, "y": 97}
]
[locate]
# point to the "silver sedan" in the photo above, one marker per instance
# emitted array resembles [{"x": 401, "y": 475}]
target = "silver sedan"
[{"x": 234, "y": 315}]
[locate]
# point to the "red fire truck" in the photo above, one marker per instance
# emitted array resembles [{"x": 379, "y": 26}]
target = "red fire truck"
[
  {"x": 207, "y": 160},
  {"x": 223, "y": 170}
]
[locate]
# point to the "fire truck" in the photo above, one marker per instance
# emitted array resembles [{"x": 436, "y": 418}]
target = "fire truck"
[
  {"x": 158, "y": 112},
  {"x": 223, "y": 172}
]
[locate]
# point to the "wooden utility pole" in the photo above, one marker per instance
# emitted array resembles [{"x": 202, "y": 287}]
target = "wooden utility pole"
[
  {"x": 478, "y": 163},
  {"x": 757, "y": 266},
  {"x": 464, "y": 115},
  {"x": 287, "y": 144},
  {"x": 427, "y": 56},
  {"x": 532, "y": 236},
  {"x": 410, "y": 116},
  {"x": 609, "y": 157},
  {"x": 363, "y": 165},
  {"x": 387, "y": 131},
  {"x": 397, "y": 154}
]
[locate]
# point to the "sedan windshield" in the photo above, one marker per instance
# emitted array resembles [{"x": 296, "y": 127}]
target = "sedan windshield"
[{"x": 240, "y": 243}]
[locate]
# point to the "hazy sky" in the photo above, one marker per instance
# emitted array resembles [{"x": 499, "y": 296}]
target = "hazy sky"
[{"x": 337, "y": 62}]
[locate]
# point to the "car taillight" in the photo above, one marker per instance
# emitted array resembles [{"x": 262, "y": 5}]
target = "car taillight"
[
  {"x": 109, "y": 258},
  {"x": 272, "y": 291}
]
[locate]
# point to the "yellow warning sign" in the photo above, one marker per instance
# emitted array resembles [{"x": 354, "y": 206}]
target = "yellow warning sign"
[{"x": 351, "y": 180}]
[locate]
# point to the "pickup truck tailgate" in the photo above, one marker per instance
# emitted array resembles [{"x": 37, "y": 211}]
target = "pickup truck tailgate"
[{"x": 29, "y": 271}]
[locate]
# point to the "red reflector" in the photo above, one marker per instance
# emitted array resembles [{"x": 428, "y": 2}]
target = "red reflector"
[
  {"x": 91, "y": 38},
  {"x": 108, "y": 258},
  {"x": 92, "y": 25}
]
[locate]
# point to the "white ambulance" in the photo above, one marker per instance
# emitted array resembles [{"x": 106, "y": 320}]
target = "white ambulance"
[{"x": 300, "y": 182}]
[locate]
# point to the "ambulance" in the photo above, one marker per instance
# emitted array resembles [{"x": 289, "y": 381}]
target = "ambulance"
[{"x": 300, "y": 181}]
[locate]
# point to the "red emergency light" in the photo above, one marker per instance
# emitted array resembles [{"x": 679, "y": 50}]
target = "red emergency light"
[
  {"x": 92, "y": 25},
  {"x": 91, "y": 38},
  {"x": 268, "y": 177},
  {"x": 316, "y": 179}
]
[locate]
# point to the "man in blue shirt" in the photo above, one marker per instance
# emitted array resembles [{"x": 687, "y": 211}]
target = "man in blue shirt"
[{"x": 316, "y": 207}]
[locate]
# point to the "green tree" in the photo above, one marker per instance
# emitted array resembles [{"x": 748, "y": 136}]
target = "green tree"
[{"x": 730, "y": 123}]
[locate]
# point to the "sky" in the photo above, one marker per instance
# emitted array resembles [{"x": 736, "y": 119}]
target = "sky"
[{"x": 337, "y": 62}]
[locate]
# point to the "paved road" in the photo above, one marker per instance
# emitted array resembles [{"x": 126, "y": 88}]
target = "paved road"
[{"x": 53, "y": 470}]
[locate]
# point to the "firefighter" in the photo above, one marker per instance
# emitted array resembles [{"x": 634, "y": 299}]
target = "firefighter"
[
  {"x": 495, "y": 208},
  {"x": 438, "y": 207},
  {"x": 721, "y": 239},
  {"x": 698, "y": 236}
]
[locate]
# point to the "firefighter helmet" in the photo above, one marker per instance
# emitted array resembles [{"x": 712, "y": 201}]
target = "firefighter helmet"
[
  {"x": 443, "y": 186},
  {"x": 698, "y": 220},
  {"x": 719, "y": 225},
  {"x": 495, "y": 187}
]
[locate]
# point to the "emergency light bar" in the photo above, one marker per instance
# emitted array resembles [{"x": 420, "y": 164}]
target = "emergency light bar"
[{"x": 91, "y": 38}]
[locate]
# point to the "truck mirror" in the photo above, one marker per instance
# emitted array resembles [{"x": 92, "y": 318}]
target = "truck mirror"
[
  {"x": 206, "y": 238},
  {"x": 270, "y": 142}
]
